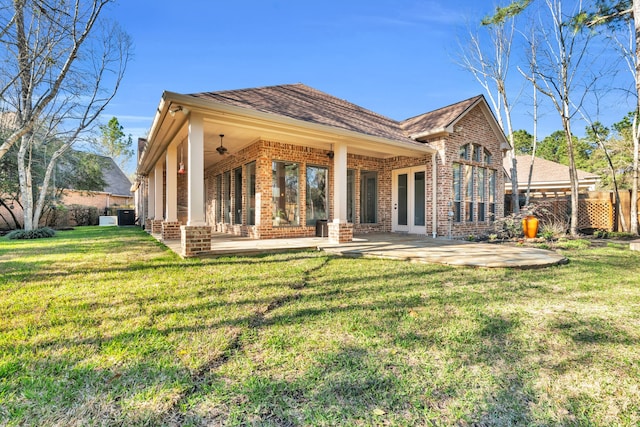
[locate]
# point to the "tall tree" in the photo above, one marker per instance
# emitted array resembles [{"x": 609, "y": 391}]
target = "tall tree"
[
  {"x": 490, "y": 65},
  {"x": 62, "y": 63},
  {"x": 610, "y": 13},
  {"x": 559, "y": 72},
  {"x": 113, "y": 143}
]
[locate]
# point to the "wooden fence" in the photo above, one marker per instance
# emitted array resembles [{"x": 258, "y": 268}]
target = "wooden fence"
[{"x": 596, "y": 209}]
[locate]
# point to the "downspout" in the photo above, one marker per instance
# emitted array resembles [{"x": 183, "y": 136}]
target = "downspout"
[{"x": 434, "y": 195}]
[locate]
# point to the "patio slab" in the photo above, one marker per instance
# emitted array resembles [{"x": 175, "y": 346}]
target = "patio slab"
[{"x": 393, "y": 246}]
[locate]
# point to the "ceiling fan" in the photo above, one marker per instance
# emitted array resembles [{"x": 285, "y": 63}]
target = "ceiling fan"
[{"x": 221, "y": 150}]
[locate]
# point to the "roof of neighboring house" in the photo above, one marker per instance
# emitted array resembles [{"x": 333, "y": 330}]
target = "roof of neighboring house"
[
  {"x": 116, "y": 182},
  {"x": 545, "y": 173},
  {"x": 302, "y": 102}
]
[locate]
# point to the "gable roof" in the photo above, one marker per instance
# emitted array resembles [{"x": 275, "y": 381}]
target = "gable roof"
[
  {"x": 301, "y": 102},
  {"x": 116, "y": 182},
  {"x": 440, "y": 119},
  {"x": 546, "y": 174}
]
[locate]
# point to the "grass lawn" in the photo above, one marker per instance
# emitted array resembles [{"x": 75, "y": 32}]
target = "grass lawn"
[{"x": 104, "y": 326}]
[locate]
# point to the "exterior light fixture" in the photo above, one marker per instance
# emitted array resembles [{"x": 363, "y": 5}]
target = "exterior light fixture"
[{"x": 181, "y": 168}]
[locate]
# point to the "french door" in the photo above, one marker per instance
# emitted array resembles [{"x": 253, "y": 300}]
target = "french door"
[{"x": 408, "y": 200}]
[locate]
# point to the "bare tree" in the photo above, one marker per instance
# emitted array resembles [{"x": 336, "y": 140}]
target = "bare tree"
[
  {"x": 489, "y": 64},
  {"x": 62, "y": 65},
  {"x": 560, "y": 72}
]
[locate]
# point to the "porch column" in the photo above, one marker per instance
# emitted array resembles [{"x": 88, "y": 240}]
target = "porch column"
[
  {"x": 151, "y": 202},
  {"x": 196, "y": 235},
  {"x": 170, "y": 225},
  {"x": 156, "y": 226},
  {"x": 195, "y": 171},
  {"x": 339, "y": 230},
  {"x": 172, "y": 184}
]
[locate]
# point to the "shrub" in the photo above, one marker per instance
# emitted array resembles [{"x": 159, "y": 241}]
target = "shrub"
[
  {"x": 84, "y": 215},
  {"x": 38, "y": 233}
]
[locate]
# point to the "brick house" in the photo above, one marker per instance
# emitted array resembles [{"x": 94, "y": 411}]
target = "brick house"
[{"x": 279, "y": 161}]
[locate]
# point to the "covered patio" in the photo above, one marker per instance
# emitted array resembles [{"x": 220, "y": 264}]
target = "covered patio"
[{"x": 389, "y": 245}]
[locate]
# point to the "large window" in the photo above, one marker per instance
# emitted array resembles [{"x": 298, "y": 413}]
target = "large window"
[
  {"x": 469, "y": 196},
  {"x": 457, "y": 192},
  {"x": 351, "y": 194},
  {"x": 317, "y": 206},
  {"x": 218, "y": 206},
  {"x": 226, "y": 177},
  {"x": 368, "y": 197},
  {"x": 251, "y": 193},
  {"x": 482, "y": 194},
  {"x": 237, "y": 195},
  {"x": 492, "y": 193},
  {"x": 286, "y": 210}
]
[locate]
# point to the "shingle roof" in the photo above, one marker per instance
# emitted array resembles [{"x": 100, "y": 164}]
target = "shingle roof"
[
  {"x": 116, "y": 182},
  {"x": 544, "y": 171},
  {"x": 440, "y": 118},
  {"x": 302, "y": 102}
]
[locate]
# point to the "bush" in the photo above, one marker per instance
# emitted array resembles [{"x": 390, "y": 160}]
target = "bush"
[
  {"x": 84, "y": 215},
  {"x": 38, "y": 233}
]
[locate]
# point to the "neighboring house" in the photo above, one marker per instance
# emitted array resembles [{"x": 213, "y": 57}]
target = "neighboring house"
[
  {"x": 116, "y": 192},
  {"x": 548, "y": 178},
  {"x": 279, "y": 161}
]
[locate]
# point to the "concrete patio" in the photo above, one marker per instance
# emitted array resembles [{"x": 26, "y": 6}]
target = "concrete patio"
[{"x": 393, "y": 246}]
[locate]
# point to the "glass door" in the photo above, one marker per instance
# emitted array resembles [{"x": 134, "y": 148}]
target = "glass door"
[{"x": 409, "y": 201}]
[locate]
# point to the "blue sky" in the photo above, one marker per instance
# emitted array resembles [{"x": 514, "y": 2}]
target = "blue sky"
[{"x": 395, "y": 57}]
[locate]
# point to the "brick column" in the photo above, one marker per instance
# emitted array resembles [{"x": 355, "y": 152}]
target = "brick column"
[
  {"x": 195, "y": 239},
  {"x": 171, "y": 230},
  {"x": 340, "y": 232},
  {"x": 156, "y": 226},
  {"x": 148, "y": 225}
]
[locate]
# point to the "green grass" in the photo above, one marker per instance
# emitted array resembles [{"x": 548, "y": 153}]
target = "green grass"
[{"x": 104, "y": 326}]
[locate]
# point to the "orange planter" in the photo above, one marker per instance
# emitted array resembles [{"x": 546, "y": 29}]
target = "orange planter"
[{"x": 530, "y": 226}]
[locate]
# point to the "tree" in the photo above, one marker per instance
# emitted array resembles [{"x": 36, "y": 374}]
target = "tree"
[
  {"x": 62, "y": 63},
  {"x": 559, "y": 72},
  {"x": 610, "y": 13},
  {"x": 114, "y": 143},
  {"x": 522, "y": 142},
  {"x": 491, "y": 70}
]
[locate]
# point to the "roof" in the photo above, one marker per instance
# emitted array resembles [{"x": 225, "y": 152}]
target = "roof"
[
  {"x": 545, "y": 172},
  {"x": 116, "y": 182},
  {"x": 305, "y": 103},
  {"x": 441, "y": 118}
]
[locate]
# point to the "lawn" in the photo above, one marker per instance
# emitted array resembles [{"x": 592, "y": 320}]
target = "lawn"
[{"x": 105, "y": 326}]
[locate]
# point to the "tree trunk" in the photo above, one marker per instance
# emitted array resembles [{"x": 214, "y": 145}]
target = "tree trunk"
[
  {"x": 26, "y": 187},
  {"x": 636, "y": 137},
  {"x": 573, "y": 176}
]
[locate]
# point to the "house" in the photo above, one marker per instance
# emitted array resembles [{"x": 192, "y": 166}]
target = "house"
[
  {"x": 280, "y": 161},
  {"x": 116, "y": 192},
  {"x": 548, "y": 178}
]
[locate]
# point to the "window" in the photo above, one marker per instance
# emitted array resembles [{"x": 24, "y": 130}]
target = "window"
[
  {"x": 477, "y": 153},
  {"x": 492, "y": 193},
  {"x": 218, "y": 206},
  {"x": 286, "y": 211},
  {"x": 465, "y": 152},
  {"x": 368, "y": 197},
  {"x": 237, "y": 195},
  {"x": 469, "y": 199},
  {"x": 317, "y": 207},
  {"x": 251, "y": 193},
  {"x": 487, "y": 157},
  {"x": 351, "y": 194},
  {"x": 419, "y": 187},
  {"x": 226, "y": 178},
  {"x": 482, "y": 194},
  {"x": 457, "y": 192}
]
